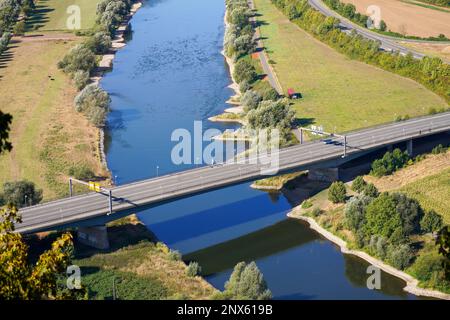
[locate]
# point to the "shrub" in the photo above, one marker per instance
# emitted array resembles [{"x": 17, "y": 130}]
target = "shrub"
[
  {"x": 81, "y": 79},
  {"x": 21, "y": 193},
  {"x": 370, "y": 190},
  {"x": 81, "y": 171},
  {"x": 247, "y": 283},
  {"x": 439, "y": 149},
  {"x": 174, "y": 255},
  {"x": 383, "y": 25},
  {"x": 99, "y": 43},
  {"x": 306, "y": 204},
  {"x": 94, "y": 102},
  {"x": 250, "y": 100},
  {"x": 244, "y": 86},
  {"x": 428, "y": 266},
  {"x": 79, "y": 58},
  {"x": 399, "y": 256},
  {"x": 391, "y": 162},
  {"x": 431, "y": 222},
  {"x": 355, "y": 211},
  {"x": 316, "y": 212},
  {"x": 19, "y": 28},
  {"x": 337, "y": 192},
  {"x": 358, "y": 184},
  {"x": 270, "y": 93},
  {"x": 193, "y": 269},
  {"x": 244, "y": 71}
]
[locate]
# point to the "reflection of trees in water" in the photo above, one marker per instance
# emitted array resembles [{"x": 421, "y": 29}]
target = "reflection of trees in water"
[
  {"x": 274, "y": 197},
  {"x": 279, "y": 237},
  {"x": 356, "y": 273}
]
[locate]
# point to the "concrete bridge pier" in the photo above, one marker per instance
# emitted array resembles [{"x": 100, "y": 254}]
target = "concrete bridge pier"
[
  {"x": 96, "y": 236},
  {"x": 409, "y": 147},
  {"x": 324, "y": 174}
]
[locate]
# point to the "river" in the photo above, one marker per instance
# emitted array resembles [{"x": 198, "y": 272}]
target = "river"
[{"x": 169, "y": 75}]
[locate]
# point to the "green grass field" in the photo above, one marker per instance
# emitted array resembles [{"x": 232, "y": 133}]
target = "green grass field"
[
  {"x": 51, "y": 15},
  {"x": 432, "y": 192},
  {"x": 337, "y": 92}
]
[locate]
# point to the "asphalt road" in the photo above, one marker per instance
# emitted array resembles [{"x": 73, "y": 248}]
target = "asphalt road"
[
  {"x": 387, "y": 43},
  {"x": 152, "y": 191}
]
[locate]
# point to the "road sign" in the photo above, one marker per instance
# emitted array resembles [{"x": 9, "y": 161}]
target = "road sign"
[{"x": 93, "y": 186}]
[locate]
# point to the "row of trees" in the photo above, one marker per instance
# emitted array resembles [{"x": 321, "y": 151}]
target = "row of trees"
[
  {"x": 80, "y": 61},
  {"x": 431, "y": 72},
  {"x": 444, "y": 3},
  {"x": 239, "y": 36},
  {"x": 262, "y": 104}
]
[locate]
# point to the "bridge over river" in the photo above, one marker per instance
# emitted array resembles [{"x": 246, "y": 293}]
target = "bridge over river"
[{"x": 156, "y": 191}]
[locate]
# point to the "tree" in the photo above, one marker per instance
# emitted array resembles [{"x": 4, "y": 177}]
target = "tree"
[
  {"x": 382, "y": 217},
  {"x": 383, "y": 25},
  {"x": 99, "y": 43},
  {"x": 5, "y": 122},
  {"x": 355, "y": 211},
  {"x": 410, "y": 213},
  {"x": 391, "y": 162},
  {"x": 431, "y": 222},
  {"x": 21, "y": 193},
  {"x": 94, "y": 102},
  {"x": 20, "y": 28},
  {"x": 244, "y": 71},
  {"x": 443, "y": 242},
  {"x": 337, "y": 192},
  {"x": 358, "y": 184},
  {"x": 79, "y": 58},
  {"x": 81, "y": 79},
  {"x": 250, "y": 100},
  {"x": 247, "y": 283},
  {"x": 21, "y": 281},
  {"x": 370, "y": 190},
  {"x": 399, "y": 256}
]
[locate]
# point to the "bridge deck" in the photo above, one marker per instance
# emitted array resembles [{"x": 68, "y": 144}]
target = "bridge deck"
[{"x": 166, "y": 188}]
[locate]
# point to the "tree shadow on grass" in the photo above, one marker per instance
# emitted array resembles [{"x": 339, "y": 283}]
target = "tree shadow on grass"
[
  {"x": 303, "y": 122},
  {"x": 39, "y": 17}
]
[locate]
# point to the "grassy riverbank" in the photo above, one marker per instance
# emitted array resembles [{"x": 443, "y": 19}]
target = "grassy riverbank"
[
  {"x": 49, "y": 137},
  {"x": 337, "y": 92},
  {"x": 427, "y": 182}
]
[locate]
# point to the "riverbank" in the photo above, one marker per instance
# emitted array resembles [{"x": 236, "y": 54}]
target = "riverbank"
[
  {"x": 412, "y": 284},
  {"x": 106, "y": 64}
]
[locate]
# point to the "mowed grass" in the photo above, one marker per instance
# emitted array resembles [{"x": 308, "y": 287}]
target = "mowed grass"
[
  {"x": 47, "y": 134},
  {"x": 433, "y": 193},
  {"x": 337, "y": 92},
  {"x": 52, "y": 15}
]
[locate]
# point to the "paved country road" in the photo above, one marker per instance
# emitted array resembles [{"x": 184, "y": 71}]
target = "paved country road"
[
  {"x": 387, "y": 43},
  {"x": 186, "y": 183}
]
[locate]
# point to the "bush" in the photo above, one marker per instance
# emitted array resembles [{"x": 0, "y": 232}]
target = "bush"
[
  {"x": 306, "y": 204},
  {"x": 79, "y": 58},
  {"x": 400, "y": 256},
  {"x": 270, "y": 94},
  {"x": 391, "y": 162},
  {"x": 94, "y": 102},
  {"x": 244, "y": 71},
  {"x": 370, "y": 190},
  {"x": 439, "y": 149},
  {"x": 174, "y": 255},
  {"x": 250, "y": 100},
  {"x": 428, "y": 266},
  {"x": 21, "y": 193},
  {"x": 355, "y": 211},
  {"x": 81, "y": 79},
  {"x": 247, "y": 283},
  {"x": 337, "y": 192},
  {"x": 431, "y": 222},
  {"x": 99, "y": 43},
  {"x": 316, "y": 212},
  {"x": 193, "y": 269},
  {"x": 358, "y": 184},
  {"x": 20, "y": 28},
  {"x": 82, "y": 172}
]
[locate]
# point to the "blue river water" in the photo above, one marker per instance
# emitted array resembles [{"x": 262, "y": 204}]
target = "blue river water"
[{"x": 169, "y": 75}]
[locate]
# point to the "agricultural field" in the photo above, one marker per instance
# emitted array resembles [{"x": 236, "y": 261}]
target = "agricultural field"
[
  {"x": 338, "y": 93},
  {"x": 48, "y": 135},
  {"x": 52, "y": 15},
  {"x": 409, "y": 17},
  {"x": 440, "y": 50}
]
